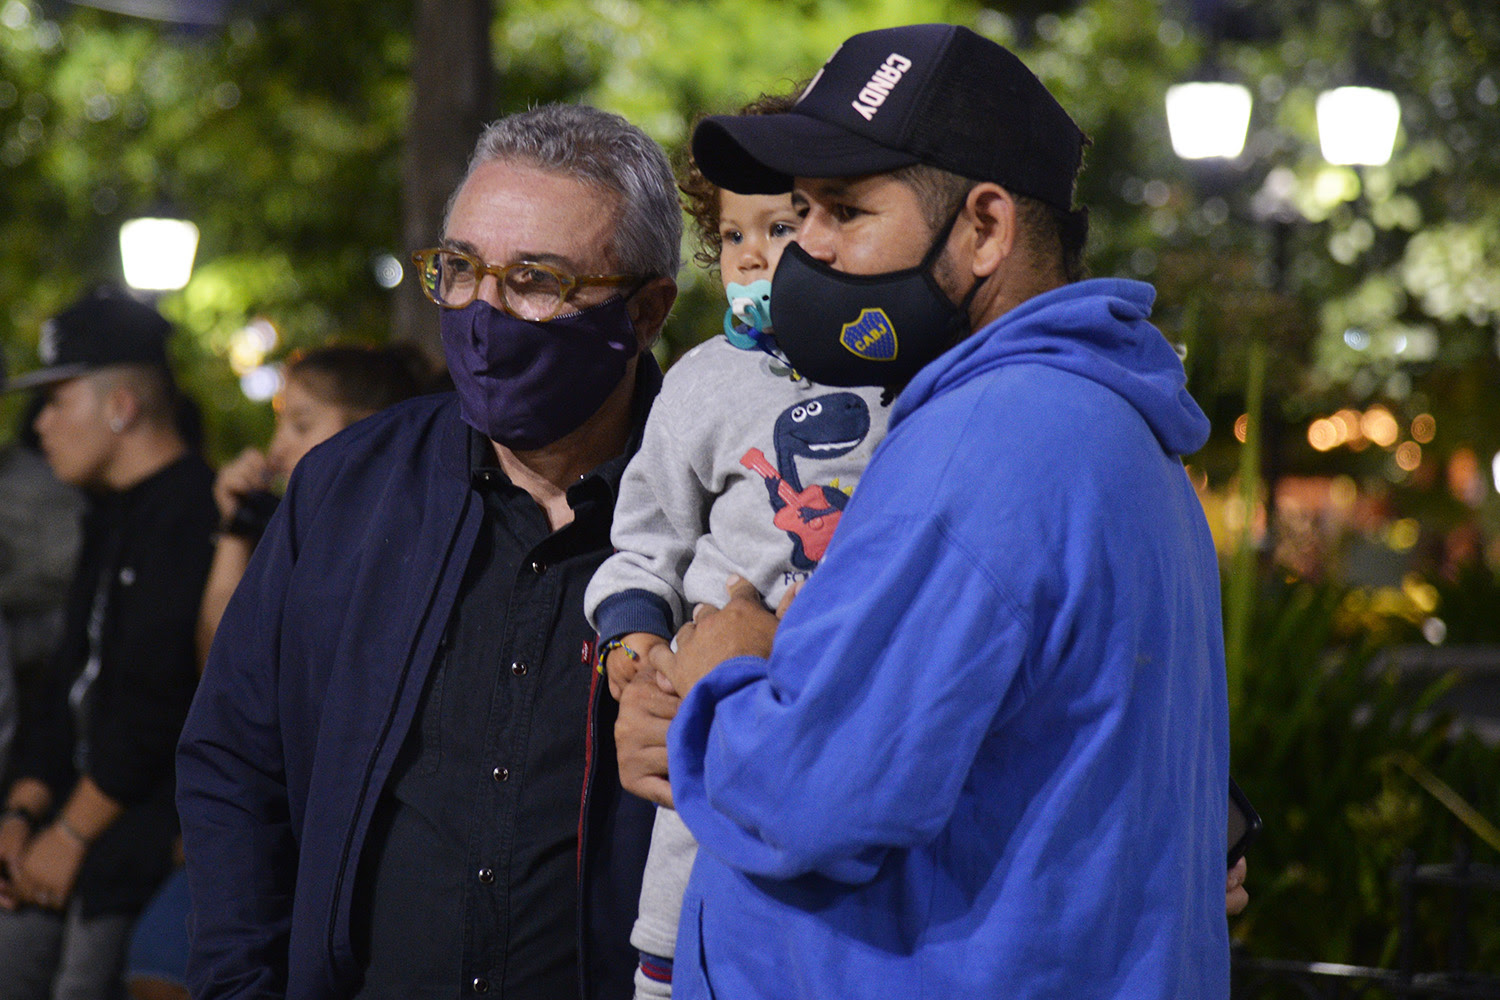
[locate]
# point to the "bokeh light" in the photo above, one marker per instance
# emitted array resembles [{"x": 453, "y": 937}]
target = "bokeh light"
[
  {"x": 1323, "y": 434},
  {"x": 1423, "y": 428},
  {"x": 1379, "y": 426},
  {"x": 261, "y": 384}
]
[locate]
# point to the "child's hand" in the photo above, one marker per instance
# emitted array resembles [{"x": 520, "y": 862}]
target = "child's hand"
[{"x": 621, "y": 666}]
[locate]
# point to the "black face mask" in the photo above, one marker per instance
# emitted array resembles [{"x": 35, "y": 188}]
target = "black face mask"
[{"x": 863, "y": 329}]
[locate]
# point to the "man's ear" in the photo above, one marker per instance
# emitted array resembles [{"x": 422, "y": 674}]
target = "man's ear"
[
  {"x": 648, "y": 309},
  {"x": 121, "y": 408},
  {"x": 991, "y": 211}
]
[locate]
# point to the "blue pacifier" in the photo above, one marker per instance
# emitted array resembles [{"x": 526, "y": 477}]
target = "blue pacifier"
[{"x": 747, "y": 321}]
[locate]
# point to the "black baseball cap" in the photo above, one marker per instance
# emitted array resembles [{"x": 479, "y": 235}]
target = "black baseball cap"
[
  {"x": 937, "y": 94},
  {"x": 106, "y": 327}
]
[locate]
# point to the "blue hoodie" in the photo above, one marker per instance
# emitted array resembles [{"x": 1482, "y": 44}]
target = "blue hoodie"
[{"x": 989, "y": 755}]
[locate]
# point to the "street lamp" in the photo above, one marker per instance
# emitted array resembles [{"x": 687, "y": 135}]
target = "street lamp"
[
  {"x": 1208, "y": 119},
  {"x": 157, "y": 253},
  {"x": 1357, "y": 125}
]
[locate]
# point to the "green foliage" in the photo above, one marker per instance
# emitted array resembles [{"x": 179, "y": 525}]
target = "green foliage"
[
  {"x": 1314, "y": 744},
  {"x": 281, "y": 147}
]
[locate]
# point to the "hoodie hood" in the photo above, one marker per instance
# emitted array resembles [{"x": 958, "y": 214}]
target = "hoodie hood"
[{"x": 1097, "y": 329}]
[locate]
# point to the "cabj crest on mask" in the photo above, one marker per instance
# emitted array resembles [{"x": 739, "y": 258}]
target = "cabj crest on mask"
[{"x": 872, "y": 336}]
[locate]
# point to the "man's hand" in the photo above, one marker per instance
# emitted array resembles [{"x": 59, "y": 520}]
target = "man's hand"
[
  {"x": 1236, "y": 898},
  {"x": 50, "y": 867},
  {"x": 622, "y": 667},
  {"x": 743, "y": 627},
  {"x": 646, "y": 712}
]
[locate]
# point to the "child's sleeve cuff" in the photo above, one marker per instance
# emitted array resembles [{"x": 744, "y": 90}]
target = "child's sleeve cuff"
[{"x": 633, "y": 611}]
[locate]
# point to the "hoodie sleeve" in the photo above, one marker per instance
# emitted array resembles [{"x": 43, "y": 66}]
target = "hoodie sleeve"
[
  {"x": 855, "y": 738},
  {"x": 661, "y": 512}
]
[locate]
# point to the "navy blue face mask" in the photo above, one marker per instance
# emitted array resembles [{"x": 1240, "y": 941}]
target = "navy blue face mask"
[
  {"x": 525, "y": 383},
  {"x": 864, "y": 329}
]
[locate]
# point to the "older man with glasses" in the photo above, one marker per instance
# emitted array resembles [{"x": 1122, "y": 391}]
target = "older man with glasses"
[{"x": 392, "y": 780}]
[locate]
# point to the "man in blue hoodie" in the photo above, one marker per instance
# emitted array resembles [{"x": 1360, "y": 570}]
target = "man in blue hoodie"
[{"x": 988, "y": 755}]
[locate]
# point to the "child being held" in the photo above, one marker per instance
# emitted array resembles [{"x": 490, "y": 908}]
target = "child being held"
[{"x": 744, "y": 470}]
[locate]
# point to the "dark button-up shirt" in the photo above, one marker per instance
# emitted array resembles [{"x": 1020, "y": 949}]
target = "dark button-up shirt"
[{"x": 468, "y": 883}]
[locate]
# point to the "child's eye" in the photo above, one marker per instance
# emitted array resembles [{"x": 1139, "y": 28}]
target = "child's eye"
[
  {"x": 733, "y": 236},
  {"x": 782, "y": 230}
]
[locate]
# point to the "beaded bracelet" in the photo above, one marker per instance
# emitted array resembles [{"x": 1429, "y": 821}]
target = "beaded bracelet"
[{"x": 610, "y": 647}]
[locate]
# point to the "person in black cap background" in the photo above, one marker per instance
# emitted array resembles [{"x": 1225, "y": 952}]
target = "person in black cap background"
[
  {"x": 988, "y": 755},
  {"x": 88, "y": 820}
]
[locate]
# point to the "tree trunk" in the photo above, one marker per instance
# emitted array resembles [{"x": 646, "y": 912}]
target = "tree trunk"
[{"x": 451, "y": 87}]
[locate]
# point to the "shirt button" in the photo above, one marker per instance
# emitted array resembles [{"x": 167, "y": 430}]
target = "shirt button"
[
  {"x": 519, "y": 669},
  {"x": 501, "y": 774},
  {"x": 487, "y": 876},
  {"x": 538, "y": 567},
  {"x": 480, "y": 985}
]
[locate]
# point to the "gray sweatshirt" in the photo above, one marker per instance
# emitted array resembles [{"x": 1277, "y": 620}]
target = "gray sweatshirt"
[{"x": 742, "y": 470}]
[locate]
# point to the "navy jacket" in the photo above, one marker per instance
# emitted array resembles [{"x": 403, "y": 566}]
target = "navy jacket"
[{"x": 314, "y": 677}]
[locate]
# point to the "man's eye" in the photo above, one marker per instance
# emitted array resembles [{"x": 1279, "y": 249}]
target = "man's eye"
[
  {"x": 844, "y": 213},
  {"x": 533, "y": 287},
  {"x": 457, "y": 267},
  {"x": 532, "y": 277}
]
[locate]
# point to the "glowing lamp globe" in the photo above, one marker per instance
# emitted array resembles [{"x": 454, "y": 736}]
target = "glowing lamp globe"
[
  {"x": 157, "y": 254},
  {"x": 1357, "y": 125},
  {"x": 1208, "y": 119}
]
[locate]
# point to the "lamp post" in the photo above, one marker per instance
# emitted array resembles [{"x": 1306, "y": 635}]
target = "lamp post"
[{"x": 156, "y": 252}]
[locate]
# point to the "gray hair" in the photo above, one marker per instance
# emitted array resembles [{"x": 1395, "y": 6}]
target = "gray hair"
[{"x": 601, "y": 148}]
